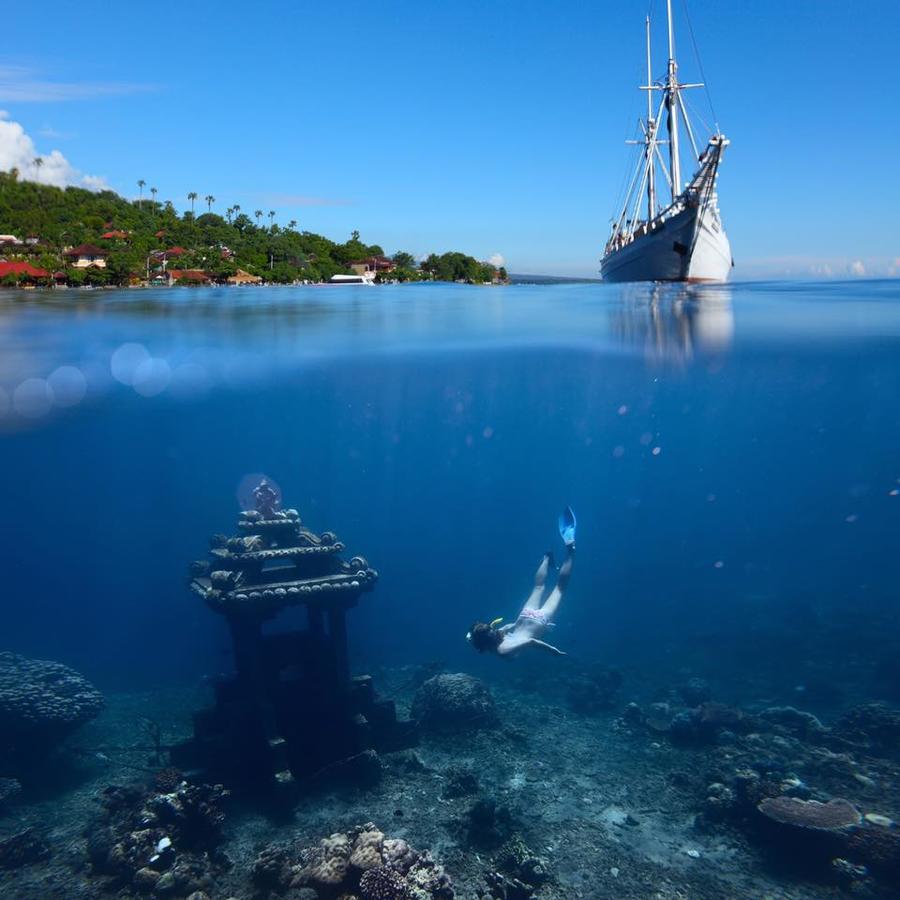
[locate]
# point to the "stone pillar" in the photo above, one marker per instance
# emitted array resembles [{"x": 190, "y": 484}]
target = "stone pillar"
[
  {"x": 316, "y": 620},
  {"x": 337, "y": 630},
  {"x": 246, "y": 637}
]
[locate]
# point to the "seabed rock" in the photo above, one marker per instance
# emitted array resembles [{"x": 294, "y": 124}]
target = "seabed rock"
[
  {"x": 449, "y": 704},
  {"x": 22, "y": 849},
  {"x": 701, "y": 726},
  {"x": 487, "y": 824},
  {"x": 594, "y": 691},
  {"x": 695, "y": 691},
  {"x": 9, "y": 788},
  {"x": 460, "y": 783}
]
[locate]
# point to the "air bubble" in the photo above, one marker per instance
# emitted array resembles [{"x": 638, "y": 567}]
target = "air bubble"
[
  {"x": 151, "y": 377},
  {"x": 68, "y": 385},
  {"x": 33, "y": 398},
  {"x": 126, "y": 360}
]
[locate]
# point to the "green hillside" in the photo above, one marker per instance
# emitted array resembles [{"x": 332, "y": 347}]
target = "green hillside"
[{"x": 56, "y": 219}]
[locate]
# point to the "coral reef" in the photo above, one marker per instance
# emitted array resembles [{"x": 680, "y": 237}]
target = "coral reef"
[
  {"x": 703, "y": 724},
  {"x": 835, "y": 815},
  {"x": 41, "y": 702},
  {"x": 873, "y": 726},
  {"x": 451, "y": 703},
  {"x": 487, "y": 824},
  {"x": 695, "y": 691},
  {"x": 802, "y": 724},
  {"x": 878, "y": 848},
  {"x": 460, "y": 783},
  {"x": 361, "y": 863},
  {"x": 518, "y": 872},
  {"x": 167, "y": 780},
  {"x": 594, "y": 691},
  {"x": 161, "y": 842}
]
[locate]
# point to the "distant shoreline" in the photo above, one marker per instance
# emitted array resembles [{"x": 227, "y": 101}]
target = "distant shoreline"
[{"x": 552, "y": 279}]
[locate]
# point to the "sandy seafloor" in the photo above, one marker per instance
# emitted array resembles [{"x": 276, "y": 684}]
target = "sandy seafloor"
[{"x": 611, "y": 807}]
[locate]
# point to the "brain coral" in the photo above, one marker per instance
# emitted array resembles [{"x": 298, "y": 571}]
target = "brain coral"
[
  {"x": 328, "y": 863},
  {"x": 452, "y": 703},
  {"x": 41, "y": 702},
  {"x": 399, "y": 855},
  {"x": 366, "y": 853}
]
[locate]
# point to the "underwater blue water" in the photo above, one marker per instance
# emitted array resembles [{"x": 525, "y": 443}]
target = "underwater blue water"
[{"x": 732, "y": 453}]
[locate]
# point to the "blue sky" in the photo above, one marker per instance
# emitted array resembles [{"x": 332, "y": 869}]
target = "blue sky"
[{"x": 489, "y": 127}]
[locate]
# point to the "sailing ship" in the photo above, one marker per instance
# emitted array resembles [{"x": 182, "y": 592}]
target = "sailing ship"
[{"x": 683, "y": 240}]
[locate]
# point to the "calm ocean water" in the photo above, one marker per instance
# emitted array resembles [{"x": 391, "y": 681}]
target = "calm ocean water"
[{"x": 733, "y": 455}]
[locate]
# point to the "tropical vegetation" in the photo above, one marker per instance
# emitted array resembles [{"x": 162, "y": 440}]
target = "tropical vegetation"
[{"x": 136, "y": 235}]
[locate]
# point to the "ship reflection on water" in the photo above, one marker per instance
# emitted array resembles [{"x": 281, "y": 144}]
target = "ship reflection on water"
[{"x": 675, "y": 322}]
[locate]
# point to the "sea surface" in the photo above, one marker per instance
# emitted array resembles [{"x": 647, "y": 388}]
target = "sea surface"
[{"x": 732, "y": 455}]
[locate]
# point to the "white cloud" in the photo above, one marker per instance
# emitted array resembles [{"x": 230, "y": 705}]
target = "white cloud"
[
  {"x": 497, "y": 260},
  {"x": 857, "y": 267},
  {"x": 54, "y": 135},
  {"x": 19, "y": 85},
  {"x": 18, "y": 151}
]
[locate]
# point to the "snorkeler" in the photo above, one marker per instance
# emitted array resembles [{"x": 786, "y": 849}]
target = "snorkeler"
[{"x": 537, "y": 615}]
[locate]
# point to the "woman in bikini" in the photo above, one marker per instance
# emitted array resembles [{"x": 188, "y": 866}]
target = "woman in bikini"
[{"x": 537, "y": 615}]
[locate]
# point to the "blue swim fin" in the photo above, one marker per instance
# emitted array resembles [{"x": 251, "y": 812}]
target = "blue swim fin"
[{"x": 567, "y": 526}]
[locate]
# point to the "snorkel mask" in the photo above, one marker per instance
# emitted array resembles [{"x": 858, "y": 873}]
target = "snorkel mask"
[{"x": 493, "y": 625}]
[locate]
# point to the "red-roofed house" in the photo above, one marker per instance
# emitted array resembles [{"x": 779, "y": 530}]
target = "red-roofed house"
[
  {"x": 87, "y": 256},
  {"x": 193, "y": 276},
  {"x": 21, "y": 270},
  {"x": 174, "y": 253},
  {"x": 115, "y": 236},
  {"x": 373, "y": 264}
]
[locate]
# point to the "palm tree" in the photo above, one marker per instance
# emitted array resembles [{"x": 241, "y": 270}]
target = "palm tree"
[
  {"x": 258, "y": 215},
  {"x": 271, "y": 219},
  {"x": 292, "y": 224},
  {"x": 209, "y": 202},
  {"x": 154, "y": 191},
  {"x": 192, "y": 196},
  {"x": 38, "y": 162},
  {"x": 141, "y": 184},
  {"x": 229, "y": 213}
]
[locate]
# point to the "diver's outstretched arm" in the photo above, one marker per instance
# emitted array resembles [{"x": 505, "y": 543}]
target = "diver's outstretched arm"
[
  {"x": 540, "y": 579},
  {"x": 543, "y": 645},
  {"x": 562, "y": 582}
]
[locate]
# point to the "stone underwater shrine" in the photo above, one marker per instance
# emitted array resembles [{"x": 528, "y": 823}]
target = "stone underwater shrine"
[{"x": 291, "y": 714}]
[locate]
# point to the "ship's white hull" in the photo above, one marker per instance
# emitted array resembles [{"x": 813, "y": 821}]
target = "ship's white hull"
[{"x": 690, "y": 246}]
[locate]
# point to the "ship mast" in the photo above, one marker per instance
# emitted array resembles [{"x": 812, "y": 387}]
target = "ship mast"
[
  {"x": 672, "y": 104},
  {"x": 651, "y": 136}
]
